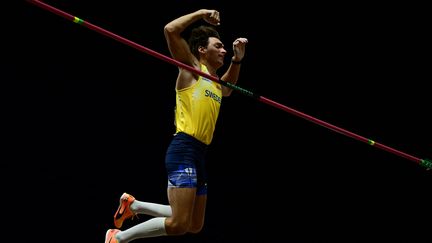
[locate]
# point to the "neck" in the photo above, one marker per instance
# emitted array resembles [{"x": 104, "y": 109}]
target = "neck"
[{"x": 210, "y": 68}]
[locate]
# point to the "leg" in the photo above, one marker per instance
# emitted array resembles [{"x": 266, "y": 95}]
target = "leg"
[
  {"x": 130, "y": 207},
  {"x": 182, "y": 201},
  {"x": 187, "y": 216},
  {"x": 198, "y": 214},
  {"x": 186, "y": 195},
  {"x": 152, "y": 209},
  {"x": 151, "y": 228}
]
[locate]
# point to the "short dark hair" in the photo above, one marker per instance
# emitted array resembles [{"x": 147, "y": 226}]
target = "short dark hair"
[{"x": 199, "y": 37}]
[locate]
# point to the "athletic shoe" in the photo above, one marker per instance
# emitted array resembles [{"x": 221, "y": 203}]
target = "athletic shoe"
[
  {"x": 123, "y": 211},
  {"x": 110, "y": 236}
]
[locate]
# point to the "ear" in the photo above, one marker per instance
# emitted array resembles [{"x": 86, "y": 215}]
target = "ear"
[{"x": 202, "y": 49}]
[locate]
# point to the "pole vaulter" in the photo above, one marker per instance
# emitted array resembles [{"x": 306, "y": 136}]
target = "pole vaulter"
[{"x": 427, "y": 163}]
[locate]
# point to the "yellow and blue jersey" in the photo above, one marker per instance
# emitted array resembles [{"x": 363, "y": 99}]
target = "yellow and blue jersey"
[{"x": 197, "y": 108}]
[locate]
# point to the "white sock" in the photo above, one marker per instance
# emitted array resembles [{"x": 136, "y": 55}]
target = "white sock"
[
  {"x": 150, "y": 228},
  {"x": 152, "y": 209}
]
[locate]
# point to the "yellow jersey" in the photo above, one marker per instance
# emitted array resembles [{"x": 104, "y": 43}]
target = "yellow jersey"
[{"x": 197, "y": 108}]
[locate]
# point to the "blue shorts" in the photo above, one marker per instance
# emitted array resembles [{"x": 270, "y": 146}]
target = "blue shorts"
[{"x": 185, "y": 163}]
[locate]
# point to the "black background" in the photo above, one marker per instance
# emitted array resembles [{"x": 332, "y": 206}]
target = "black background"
[{"x": 87, "y": 118}]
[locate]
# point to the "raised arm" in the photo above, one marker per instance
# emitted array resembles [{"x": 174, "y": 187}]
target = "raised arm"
[
  {"x": 178, "y": 46},
  {"x": 233, "y": 71}
]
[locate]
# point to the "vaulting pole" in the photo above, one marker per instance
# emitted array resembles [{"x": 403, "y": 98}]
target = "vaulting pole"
[{"x": 423, "y": 162}]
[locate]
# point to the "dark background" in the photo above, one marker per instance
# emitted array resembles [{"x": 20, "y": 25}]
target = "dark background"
[{"x": 87, "y": 118}]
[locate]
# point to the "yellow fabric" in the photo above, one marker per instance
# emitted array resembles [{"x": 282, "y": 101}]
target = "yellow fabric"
[{"x": 197, "y": 108}]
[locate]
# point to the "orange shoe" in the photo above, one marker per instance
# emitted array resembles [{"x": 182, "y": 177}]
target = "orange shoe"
[
  {"x": 110, "y": 236},
  {"x": 123, "y": 211}
]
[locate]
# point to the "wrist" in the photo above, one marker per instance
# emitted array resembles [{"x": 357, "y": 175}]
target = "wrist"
[{"x": 235, "y": 62}]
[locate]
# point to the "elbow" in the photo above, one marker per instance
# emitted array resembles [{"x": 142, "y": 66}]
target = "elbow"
[{"x": 169, "y": 29}]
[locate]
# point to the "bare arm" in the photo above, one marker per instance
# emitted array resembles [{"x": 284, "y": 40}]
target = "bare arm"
[
  {"x": 178, "y": 47},
  {"x": 232, "y": 74}
]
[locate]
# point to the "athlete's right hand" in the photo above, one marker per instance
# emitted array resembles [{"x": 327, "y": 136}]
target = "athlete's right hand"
[{"x": 212, "y": 17}]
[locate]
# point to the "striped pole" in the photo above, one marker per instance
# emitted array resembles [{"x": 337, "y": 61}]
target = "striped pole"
[{"x": 423, "y": 162}]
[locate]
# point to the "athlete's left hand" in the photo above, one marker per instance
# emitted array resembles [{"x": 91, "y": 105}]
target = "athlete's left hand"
[{"x": 239, "y": 47}]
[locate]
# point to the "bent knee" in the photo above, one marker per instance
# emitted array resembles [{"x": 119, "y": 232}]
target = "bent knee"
[
  {"x": 181, "y": 227},
  {"x": 195, "y": 228},
  {"x": 176, "y": 228}
]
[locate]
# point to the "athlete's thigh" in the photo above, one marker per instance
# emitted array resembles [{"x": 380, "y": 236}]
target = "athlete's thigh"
[
  {"x": 182, "y": 201},
  {"x": 199, "y": 211}
]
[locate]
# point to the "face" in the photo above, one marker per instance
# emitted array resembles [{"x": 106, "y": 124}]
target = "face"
[{"x": 215, "y": 52}]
